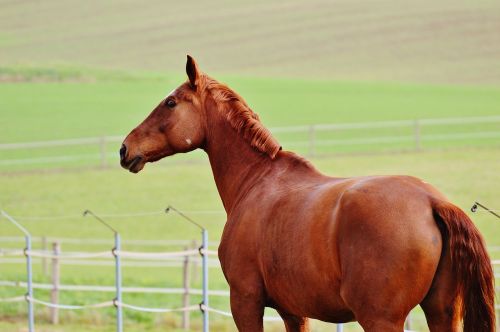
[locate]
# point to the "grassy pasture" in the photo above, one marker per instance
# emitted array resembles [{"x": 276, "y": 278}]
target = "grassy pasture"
[
  {"x": 191, "y": 188},
  {"x": 113, "y": 106},
  {"x": 93, "y": 103},
  {"x": 67, "y": 103}
]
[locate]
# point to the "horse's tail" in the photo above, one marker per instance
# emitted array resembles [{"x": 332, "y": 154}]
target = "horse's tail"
[{"x": 471, "y": 266}]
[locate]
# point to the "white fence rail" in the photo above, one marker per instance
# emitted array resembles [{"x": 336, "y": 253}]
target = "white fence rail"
[
  {"x": 183, "y": 258},
  {"x": 312, "y": 140},
  {"x": 58, "y": 257}
]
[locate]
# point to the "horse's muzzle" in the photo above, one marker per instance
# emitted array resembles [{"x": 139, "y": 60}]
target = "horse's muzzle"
[{"x": 134, "y": 165}]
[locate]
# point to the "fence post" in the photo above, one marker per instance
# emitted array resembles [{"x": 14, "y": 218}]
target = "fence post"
[
  {"x": 31, "y": 313},
  {"x": 44, "y": 259},
  {"x": 194, "y": 269},
  {"x": 416, "y": 128},
  {"x": 54, "y": 294},
  {"x": 29, "y": 268},
  {"x": 118, "y": 271},
  {"x": 497, "y": 320},
  {"x": 312, "y": 139},
  {"x": 204, "y": 256},
  {"x": 102, "y": 149},
  {"x": 118, "y": 283},
  {"x": 185, "y": 298}
]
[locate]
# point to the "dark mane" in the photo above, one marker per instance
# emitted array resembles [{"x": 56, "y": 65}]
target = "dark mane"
[{"x": 241, "y": 117}]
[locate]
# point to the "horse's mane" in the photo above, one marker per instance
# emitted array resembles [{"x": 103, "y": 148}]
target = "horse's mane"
[{"x": 241, "y": 117}]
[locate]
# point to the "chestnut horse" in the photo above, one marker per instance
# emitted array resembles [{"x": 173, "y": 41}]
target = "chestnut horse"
[{"x": 364, "y": 249}]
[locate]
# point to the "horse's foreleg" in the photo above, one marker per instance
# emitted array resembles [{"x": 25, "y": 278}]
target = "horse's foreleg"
[
  {"x": 248, "y": 311},
  {"x": 294, "y": 323}
]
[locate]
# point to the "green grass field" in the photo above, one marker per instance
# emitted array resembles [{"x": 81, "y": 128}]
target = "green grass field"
[
  {"x": 426, "y": 41},
  {"x": 191, "y": 188},
  {"x": 72, "y": 69},
  {"x": 66, "y": 103},
  {"x": 100, "y": 103}
]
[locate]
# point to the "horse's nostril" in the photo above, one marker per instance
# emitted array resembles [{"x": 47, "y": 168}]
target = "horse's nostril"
[{"x": 123, "y": 152}]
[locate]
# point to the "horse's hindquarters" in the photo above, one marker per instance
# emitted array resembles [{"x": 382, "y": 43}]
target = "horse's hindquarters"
[{"x": 389, "y": 247}]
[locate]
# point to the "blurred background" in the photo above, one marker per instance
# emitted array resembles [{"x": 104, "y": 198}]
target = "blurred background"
[{"x": 359, "y": 87}]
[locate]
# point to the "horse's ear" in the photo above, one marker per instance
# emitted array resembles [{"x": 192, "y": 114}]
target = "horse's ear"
[{"x": 192, "y": 71}]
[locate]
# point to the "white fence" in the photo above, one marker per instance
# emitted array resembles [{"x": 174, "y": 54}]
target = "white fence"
[
  {"x": 316, "y": 139},
  {"x": 184, "y": 258}
]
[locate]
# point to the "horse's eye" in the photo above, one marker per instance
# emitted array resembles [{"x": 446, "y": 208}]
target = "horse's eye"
[{"x": 171, "y": 103}]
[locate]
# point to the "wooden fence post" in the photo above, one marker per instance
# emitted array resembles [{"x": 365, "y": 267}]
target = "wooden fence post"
[
  {"x": 194, "y": 269},
  {"x": 102, "y": 148},
  {"x": 54, "y": 294},
  {"x": 312, "y": 140},
  {"x": 44, "y": 260},
  {"x": 416, "y": 128},
  {"x": 498, "y": 319},
  {"x": 185, "y": 297}
]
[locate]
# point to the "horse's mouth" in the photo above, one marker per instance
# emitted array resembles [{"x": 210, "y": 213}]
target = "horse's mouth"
[{"x": 134, "y": 165}]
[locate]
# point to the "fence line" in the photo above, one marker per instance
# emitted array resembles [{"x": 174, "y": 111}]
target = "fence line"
[
  {"x": 106, "y": 254},
  {"x": 213, "y": 263},
  {"x": 14, "y": 299},
  {"x": 145, "y": 243},
  {"x": 93, "y": 288},
  {"x": 92, "y": 241},
  {"x": 114, "y": 215},
  {"x": 117, "y": 302},
  {"x": 116, "y": 253},
  {"x": 310, "y": 131}
]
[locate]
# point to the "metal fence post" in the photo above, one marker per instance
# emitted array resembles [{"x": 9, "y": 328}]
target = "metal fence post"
[
  {"x": 118, "y": 282},
  {"x": 205, "y": 279},
  {"x": 118, "y": 271},
  {"x": 29, "y": 268},
  {"x": 204, "y": 305}
]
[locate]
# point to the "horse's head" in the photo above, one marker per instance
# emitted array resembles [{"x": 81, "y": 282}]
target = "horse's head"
[{"x": 176, "y": 125}]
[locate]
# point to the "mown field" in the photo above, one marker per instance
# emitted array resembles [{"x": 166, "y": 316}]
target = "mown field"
[{"x": 426, "y": 41}]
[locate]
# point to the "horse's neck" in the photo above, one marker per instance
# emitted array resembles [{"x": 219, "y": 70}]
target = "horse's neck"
[{"x": 236, "y": 166}]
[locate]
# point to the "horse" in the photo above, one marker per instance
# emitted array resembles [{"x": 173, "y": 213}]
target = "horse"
[{"x": 366, "y": 249}]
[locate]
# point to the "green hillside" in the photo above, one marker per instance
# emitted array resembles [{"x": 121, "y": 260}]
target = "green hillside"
[{"x": 426, "y": 41}]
